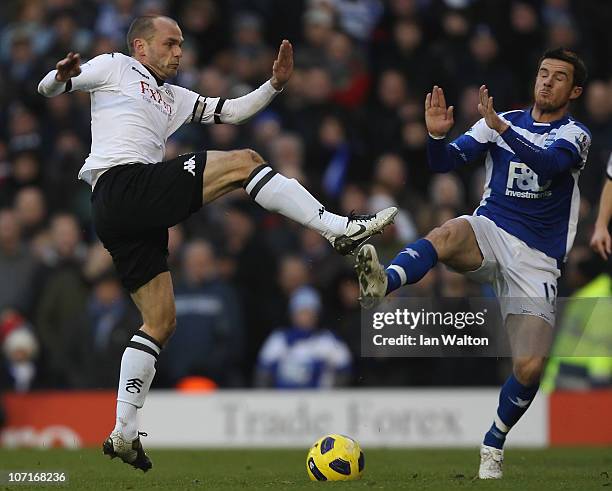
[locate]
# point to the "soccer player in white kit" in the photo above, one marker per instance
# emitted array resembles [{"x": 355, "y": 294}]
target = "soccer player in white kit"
[
  {"x": 136, "y": 196},
  {"x": 521, "y": 232}
]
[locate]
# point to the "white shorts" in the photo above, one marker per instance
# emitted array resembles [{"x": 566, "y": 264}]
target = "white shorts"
[{"x": 524, "y": 279}]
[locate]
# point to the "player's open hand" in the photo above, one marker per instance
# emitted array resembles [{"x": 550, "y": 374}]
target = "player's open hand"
[
  {"x": 68, "y": 67},
  {"x": 438, "y": 118},
  {"x": 487, "y": 111},
  {"x": 283, "y": 66},
  {"x": 601, "y": 242}
]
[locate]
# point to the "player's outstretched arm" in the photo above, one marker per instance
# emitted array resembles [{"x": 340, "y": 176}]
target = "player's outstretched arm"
[
  {"x": 54, "y": 83},
  {"x": 439, "y": 120},
  {"x": 239, "y": 110},
  {"x": 601, "y": 242},
  {"x": 97, "y": 74},
  {"x": 560, "y": 157}
]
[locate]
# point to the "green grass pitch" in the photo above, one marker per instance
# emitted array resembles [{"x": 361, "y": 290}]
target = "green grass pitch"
[{"x": 571, "y": 468}]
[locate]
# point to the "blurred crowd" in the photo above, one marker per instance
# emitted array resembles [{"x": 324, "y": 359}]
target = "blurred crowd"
[{"x": 262, "y": 301}]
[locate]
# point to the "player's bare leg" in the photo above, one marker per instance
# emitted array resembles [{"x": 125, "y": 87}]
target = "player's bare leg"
[
  {"x": 226, "y": 171},
  {"x": 155, "y": 300},
  {"x": 530, "y": 341},
  {"x": 454, "y": 244}
]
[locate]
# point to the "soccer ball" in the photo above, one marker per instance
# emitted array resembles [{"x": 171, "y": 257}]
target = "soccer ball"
[{"x": 335, "y": 458}]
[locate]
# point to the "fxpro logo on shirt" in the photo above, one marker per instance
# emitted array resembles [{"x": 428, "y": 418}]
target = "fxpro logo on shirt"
[
  {"x": 523, "y": 183},
  {"x": 154, "y": 96}
]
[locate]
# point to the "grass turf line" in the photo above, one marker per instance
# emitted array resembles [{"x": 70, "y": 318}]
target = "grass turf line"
[{"x": 551, "y": 469}]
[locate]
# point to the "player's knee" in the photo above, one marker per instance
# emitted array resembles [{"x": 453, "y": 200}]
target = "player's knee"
[
  {"x": 165, "y": 326},
  {"x": 443, "y": 238},
  {"x": 249, "y": 160},
  {"x": 528, "y": 370},
  {"x": 253, "y": 157},
  {"x": 170, "y": 324}
]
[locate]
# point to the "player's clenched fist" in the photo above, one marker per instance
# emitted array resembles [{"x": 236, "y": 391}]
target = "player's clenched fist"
[
  {"x": 68, "y": 67},
  {"x": 438, "y": 118}
]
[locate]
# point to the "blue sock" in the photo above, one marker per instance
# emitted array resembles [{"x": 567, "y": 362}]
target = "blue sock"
[
  {"x": 411, "y": 264},
  {"x": 514, "y": 399}
]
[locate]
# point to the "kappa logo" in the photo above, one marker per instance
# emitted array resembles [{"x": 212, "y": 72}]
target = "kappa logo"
[
  {"x": 133, "y": 385},
  {"x": 190, "y": 165},
  {"x": 410, "y": 252},
  {"x": 321, "y": 211}
]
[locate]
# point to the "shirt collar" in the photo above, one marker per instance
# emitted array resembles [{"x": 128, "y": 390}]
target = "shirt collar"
[
  {"x": 159, "y": 81},
  {"x": 550, "y": 124}
]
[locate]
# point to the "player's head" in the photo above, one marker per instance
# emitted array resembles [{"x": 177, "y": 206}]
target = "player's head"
[
  {"x": 156, "y": 40},
  {"x": 560, "y": 79}
]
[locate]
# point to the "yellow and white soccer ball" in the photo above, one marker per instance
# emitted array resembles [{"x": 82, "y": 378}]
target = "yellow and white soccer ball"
[{"x": 335, "y": 458}]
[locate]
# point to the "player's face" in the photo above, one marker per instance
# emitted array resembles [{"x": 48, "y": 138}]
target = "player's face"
[
  {"x": 554, "y": 85},
  {"x": 164, "y": 50}
]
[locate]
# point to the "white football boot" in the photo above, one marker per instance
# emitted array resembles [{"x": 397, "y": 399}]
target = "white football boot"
[
  {"x": 360, "y": 228},
  {"x": 131, "y": 452},
  {"x": 491, "y": 461},
  {"x": 370, "y": 275}
]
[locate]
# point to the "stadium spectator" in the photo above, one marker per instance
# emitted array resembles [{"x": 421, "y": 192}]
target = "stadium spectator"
[
  {"x": 286, "y": 152},
  {"x": 96, "y": 336},
  {"x": 318, "y": 26},
  {"x": 303, "y": 356},
  {"x": 17, "y": 265},
  {"x": 390, "y": 182},
  {"x": 250, "y": 267},
  {"x": 19, "y": 370},
  {"x": 210, "y": 338},
  {"x": 323, "y": 264},
  {"x": 61, "y": 293},
  {"x": 31, "y": 211}
]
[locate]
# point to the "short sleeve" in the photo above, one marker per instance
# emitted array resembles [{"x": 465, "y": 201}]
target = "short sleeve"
[
  {"x": 577, "y": 139},
  {"x": 99, "y": 73},
  {"x": 609, "y": 167}
]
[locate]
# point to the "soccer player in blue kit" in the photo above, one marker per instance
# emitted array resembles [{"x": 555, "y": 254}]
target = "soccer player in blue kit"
[{"x": 520, "y": 233}]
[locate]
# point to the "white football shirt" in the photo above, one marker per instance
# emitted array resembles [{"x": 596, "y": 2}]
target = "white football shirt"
[{"x": 132, "y": 115}]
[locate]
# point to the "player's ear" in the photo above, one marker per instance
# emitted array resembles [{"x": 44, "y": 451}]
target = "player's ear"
[
  {"x": 575, "y": 93},
  {"x": 139, "y": 46}
]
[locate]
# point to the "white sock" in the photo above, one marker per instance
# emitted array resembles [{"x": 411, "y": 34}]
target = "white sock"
[
  {"x": 126, "y": 422},
  {"x": 137, "y": 372},
  {"x": 288, "y": 197}
]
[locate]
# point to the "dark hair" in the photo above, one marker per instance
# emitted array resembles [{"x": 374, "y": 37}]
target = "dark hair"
[
  {"x": 141, "y": 27},
  {"x": 569, "y": 56}
]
